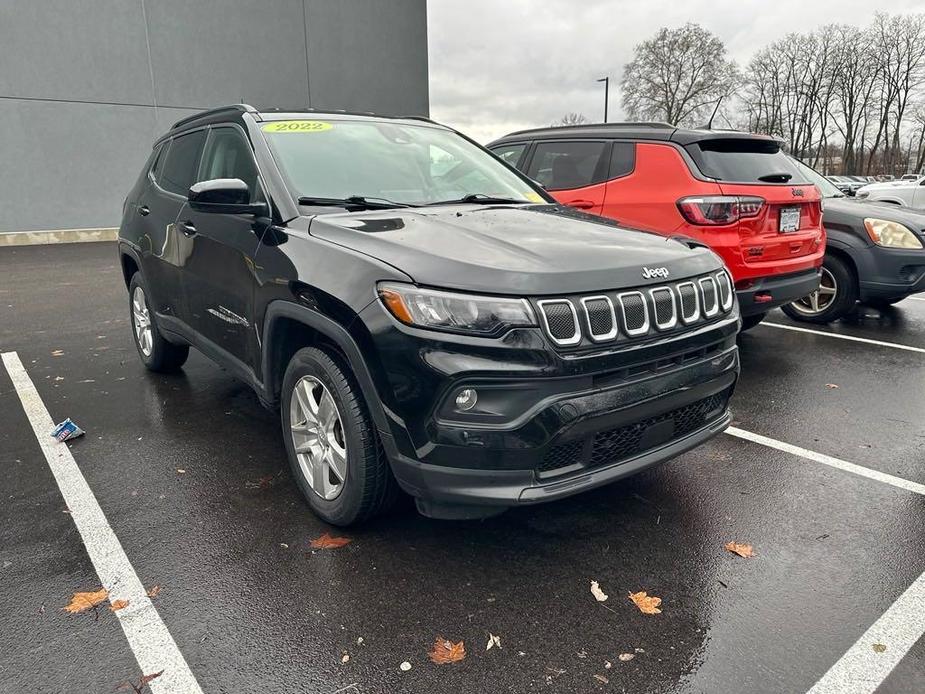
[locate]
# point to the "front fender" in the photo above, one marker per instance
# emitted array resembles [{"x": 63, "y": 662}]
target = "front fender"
[{"x": 334, "y": 332}]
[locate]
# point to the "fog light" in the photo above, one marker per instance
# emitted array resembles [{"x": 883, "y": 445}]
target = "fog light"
[{"x": 466, "y": 399}]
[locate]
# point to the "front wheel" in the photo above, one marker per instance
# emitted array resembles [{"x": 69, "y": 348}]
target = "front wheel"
[
  {"x": 835, "y": 298},
  {"x": 333, "y": 449}
]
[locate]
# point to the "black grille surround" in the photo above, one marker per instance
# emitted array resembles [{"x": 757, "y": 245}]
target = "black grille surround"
[
  {"x": 609, "y": 317},
  {"x": 624, "y": 442}
]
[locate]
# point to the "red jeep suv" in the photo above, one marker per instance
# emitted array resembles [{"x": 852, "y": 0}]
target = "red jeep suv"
[{"x": 736, "y": 192}]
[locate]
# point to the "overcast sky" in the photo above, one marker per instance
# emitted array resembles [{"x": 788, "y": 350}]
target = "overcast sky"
[{"x": 498, "y": 66}]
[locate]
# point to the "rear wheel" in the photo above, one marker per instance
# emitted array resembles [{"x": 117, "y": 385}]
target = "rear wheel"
[
  {"x": 835, "y": 298},
  {"x": 156, "y": 353},
  {"x": 749, "y": 322},
  {"x": 333, "y": 449}
]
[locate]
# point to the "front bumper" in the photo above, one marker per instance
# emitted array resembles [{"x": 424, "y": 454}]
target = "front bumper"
[
  {"x": 767, "y": 293},
  {"x": 571, "y": 423},
  {"x": 887, "y": 273}
]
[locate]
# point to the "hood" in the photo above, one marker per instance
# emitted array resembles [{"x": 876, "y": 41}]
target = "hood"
[
  {"x": 523, "y": 249},
  {"x": 852, "y": 210}
]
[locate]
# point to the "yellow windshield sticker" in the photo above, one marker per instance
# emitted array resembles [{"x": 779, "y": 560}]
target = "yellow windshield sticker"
[
  {"x": 297, "y": 126},
  {"x": 533, "y": 197}
]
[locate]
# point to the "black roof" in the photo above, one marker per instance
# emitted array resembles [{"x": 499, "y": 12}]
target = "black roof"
[{"x": 631, "y": 131}]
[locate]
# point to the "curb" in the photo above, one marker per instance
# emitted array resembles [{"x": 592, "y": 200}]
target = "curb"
[{"x": 39, "y": 238}]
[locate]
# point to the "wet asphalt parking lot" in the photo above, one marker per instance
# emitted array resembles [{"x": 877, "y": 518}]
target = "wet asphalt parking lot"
[{"x": 252, "y": 608}]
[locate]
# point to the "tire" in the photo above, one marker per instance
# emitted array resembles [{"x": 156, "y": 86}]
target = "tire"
[
  {"x": 749, "y": 322},
  {"x": 838, "y": 276},
  {"x": 341, "y": 493},
  {"x": 156, "y": 353}
]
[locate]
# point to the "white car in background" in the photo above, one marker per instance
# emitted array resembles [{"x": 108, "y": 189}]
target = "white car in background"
[{"x": 907, "y": 193}]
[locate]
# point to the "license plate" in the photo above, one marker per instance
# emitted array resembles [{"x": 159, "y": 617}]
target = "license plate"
[{"x": 789, "y": 219}]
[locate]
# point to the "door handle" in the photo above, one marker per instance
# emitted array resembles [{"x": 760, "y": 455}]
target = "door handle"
[
  {"x": 187, "y": 228},
  {"x": 144, "y": 210},
  {"x": 581, "y": 204}
]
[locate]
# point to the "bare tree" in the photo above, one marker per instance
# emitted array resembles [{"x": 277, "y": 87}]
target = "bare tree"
[
  {"x": 679, "y": 76},
  {"x": 572, "y": 118},
  {"x": 900, "y": 42}
]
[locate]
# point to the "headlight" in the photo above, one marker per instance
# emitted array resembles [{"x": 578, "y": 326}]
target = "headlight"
[
  {"x": 891, "y": 234},
  {"x": 430, "y": 308}
]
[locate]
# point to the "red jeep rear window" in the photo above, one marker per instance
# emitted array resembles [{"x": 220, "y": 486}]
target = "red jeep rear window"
[{"x": 744, "y": 160}]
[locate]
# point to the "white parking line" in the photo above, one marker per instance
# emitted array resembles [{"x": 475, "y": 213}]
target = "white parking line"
[
  {"x": 153, "y": 646},
  {"x": 862, "y": 669},
  {"x": 865, "y": 340},
  {"x": 828, "y": 460}
]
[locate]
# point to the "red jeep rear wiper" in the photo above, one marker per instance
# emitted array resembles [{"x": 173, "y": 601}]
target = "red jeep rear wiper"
[{"x": 775, "y": 177}]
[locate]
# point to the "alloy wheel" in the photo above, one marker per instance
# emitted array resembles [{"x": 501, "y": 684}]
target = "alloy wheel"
[
  {"x": 817, "y": 302},
  {"x": 141, "y": 320},
  {"x": 318, "y": 437}
]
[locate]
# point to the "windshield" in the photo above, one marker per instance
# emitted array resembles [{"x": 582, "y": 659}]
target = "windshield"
[
  {"x": 400, "y": 163},
  {"x": 821, "y": 182}
]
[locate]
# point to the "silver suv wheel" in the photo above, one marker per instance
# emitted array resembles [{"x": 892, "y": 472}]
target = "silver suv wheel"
[
  {"x": 318, "y": 437},
  {"x": 141, "y": 320},
  {"x": 817, "y": 302}
]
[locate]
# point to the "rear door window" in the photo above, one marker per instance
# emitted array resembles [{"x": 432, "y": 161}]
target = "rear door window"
[
  {"x": 510, "y": 154},
  {"x": 745, "y": 161},
  {"x": 565, "y": 165},
  {"x": 182, "y": 163}
]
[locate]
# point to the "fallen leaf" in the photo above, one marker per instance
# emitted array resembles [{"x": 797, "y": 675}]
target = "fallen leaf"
[
  {"x": 601, "y": 678},
  {"x": 831, "y": 385},
  {"x": 147, "y": 678},
  {"x": 328, "y": 542},
  {"x": 879, "y": 647},
  {"x": 647, "y": 604},
  {"x": 153, "y": 591},
  {"x": 625, "y": 657},
  {"x": 118, "y": 605},
  {"x": 405, "y": 666},
  {"x": 493, "y": 641},
  {"x": 742, "y": 550},
  {"x": 84, "y": 601},
  {"x": 596, "y": 591},
  {"x": 446, "y": 651}
]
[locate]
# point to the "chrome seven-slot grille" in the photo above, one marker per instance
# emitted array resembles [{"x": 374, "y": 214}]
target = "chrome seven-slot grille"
[{"x": 638, "y": 312}]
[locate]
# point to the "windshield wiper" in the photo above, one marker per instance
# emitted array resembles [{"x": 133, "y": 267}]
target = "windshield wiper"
[
  {"x": 775, "y": 177},
  {"x": 354, "y": 201},
  {"x": 480, "y": 199}
]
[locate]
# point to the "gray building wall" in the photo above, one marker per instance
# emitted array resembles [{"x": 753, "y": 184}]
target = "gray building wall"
[{"x": 85, "y": 87}]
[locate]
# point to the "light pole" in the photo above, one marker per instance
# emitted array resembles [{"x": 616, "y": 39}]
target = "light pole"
[{"x": 606, "y": 81}]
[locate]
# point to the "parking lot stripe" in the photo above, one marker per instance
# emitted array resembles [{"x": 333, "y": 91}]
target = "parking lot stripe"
[
  {"x": 865, "y": 340},
  {"x": 828, "y": 460},
  {"x": 862, "y": 669},
  {"x": 153, "y": 646}
]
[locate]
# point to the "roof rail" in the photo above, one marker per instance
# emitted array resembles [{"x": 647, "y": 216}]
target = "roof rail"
[
  {"x": 593, "y": 126},
  {"x": 242, "y": 108},
  {"x": 421, "y": 118}
]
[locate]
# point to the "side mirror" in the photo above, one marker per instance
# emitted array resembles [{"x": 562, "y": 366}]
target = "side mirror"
[{"x": 224, "y": 196}]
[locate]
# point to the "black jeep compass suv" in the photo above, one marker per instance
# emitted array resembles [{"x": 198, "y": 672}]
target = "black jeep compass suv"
[{"x": 423, "y": 315}]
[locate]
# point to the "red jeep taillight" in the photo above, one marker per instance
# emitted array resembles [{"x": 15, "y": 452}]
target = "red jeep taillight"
[{"x": 716, "y": 210}]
